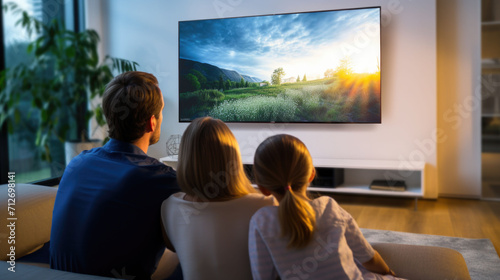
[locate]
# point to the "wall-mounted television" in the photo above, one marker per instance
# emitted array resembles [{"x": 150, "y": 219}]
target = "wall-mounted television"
[{"x": 307, "y": 67}]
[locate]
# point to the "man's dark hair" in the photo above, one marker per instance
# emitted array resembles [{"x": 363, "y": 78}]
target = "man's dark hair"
[{"x": 129, "y": 101}]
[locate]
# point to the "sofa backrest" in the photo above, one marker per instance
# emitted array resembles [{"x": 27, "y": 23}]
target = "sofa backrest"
[{"x": 28, "y": 220}]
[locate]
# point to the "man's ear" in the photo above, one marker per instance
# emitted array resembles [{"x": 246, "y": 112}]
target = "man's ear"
[
  {"x": 152, "y": 124},
  {"x": 264, "y": 191},
  {"x": 313, "y": 174}
]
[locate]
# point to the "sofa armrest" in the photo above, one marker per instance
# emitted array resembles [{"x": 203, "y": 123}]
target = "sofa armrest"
[
  {"x": 423, "y": 262},
  {"x": 33, "y": 209}
]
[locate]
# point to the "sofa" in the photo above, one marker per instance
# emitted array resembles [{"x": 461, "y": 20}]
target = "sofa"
[
  {"x": 33, "y": 210},
  {"x": 30, "y": 229}
]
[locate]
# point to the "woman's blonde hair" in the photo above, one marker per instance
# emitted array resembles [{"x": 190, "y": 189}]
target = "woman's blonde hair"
[
  {"x": 209, "y": 165},
  {"x": 283, "y": 161}
]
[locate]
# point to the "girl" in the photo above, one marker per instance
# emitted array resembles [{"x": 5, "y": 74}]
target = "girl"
[
  {"x": 300, "y": 238},
  {"x": 207, "y": 223}
]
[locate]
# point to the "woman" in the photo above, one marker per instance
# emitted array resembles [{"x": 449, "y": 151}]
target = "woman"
[{"x": 207, "y": 223}]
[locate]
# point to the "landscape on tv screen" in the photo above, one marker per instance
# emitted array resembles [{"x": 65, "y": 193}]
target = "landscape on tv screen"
[{"x": 304, "y": 67}]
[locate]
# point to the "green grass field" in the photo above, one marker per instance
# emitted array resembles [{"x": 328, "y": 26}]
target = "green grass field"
[{"x": 356, "y": 99}]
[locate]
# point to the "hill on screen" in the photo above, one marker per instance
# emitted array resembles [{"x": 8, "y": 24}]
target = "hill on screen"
[{"x": 212, "y": 72}]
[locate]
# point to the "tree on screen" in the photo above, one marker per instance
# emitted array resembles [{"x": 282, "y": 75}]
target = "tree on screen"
[
  {"x": 345, "y": 67},
  {"x": 201, "y": 78},
  {"x": 193, "y": 83},
  {"x": 278, "y": 74},
  {"x": 329, "y": 73},
  {"x": 221, "y": 82}
]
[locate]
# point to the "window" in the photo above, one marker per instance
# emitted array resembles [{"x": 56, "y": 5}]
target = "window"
[{"x": 22, "y": 155}]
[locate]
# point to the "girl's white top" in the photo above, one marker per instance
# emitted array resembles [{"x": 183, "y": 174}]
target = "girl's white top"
[{"x": 336, "y": 251}]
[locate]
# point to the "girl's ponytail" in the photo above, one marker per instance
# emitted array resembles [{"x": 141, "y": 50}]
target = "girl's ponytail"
[
  {"x": 283, "y": 165},
  {"x": 297, "y": 219}
]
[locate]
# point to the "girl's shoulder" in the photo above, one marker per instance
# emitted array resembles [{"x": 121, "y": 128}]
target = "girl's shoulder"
[
  {"x": 328, "y": 209},
  {"x": 324, "y": 202}
]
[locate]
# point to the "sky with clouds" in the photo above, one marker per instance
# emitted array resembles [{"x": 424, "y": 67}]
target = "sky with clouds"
[{"x": 302, "y": 43}]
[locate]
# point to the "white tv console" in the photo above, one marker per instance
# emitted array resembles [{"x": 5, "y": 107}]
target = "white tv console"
[{"x": 358, "y": 174}]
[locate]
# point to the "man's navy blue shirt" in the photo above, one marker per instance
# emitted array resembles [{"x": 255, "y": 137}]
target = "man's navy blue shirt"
[{"x": 106, "y": 218}]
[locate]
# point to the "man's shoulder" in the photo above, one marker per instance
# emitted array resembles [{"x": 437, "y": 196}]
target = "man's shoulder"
[
  {"x": 121, "y": 167},
  {"x": 101, "y": 154}
]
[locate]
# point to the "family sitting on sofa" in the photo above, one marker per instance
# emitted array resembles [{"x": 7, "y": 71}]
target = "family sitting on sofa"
[{"x": 117, "y": 209}]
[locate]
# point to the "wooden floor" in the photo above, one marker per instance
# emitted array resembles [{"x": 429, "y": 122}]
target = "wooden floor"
[{"x": 466, "y": 218}]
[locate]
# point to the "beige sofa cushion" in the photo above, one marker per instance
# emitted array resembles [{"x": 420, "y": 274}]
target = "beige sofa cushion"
[
  {"x": 423, "y": 262},
  {"x": 33, "y": 210},
  {"x": 25, "y": 271}
]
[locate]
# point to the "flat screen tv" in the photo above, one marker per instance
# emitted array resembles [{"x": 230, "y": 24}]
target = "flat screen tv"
[{"x": 307, "y": 67}]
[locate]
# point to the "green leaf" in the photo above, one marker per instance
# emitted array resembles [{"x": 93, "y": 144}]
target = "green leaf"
[
  {"x": 3, "y": 118},
  {"x": 44, "y": 116},
  {"x": 43, "y": 142},
  {"x": 99, "y": 116},
  {"x": 36, "y": 102},
  {"x": 38, "y": 138},
  {"x": 63, "y": 130},
  {"x": 94, "y": 58},
  {"x": 89, "y": 115},
  {"x": 17, "y": 116},
  {"x": 30, "y": 47},
  {"x": 46, "y": 155},
  {"x": 70, "y": 52}
]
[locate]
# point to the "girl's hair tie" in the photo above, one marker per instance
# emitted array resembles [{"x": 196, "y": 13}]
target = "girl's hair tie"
[{"x": 287, "y": 188}]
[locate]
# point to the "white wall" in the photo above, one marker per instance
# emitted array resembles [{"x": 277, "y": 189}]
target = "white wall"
[
  {"x": 146, "y": 31},
  {"x": 459, "y": 97}
]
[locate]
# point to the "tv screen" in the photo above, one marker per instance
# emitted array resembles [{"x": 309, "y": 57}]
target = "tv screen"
[{"x": 308, "y": 67}]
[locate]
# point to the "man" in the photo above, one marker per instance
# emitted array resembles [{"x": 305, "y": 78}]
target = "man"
[{"x": 106, "y": 218}]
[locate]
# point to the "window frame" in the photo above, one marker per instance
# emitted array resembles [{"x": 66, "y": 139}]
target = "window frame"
[{"x": 4, "y": 141}]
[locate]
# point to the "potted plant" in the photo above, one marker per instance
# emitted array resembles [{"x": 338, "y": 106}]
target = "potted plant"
[{"x": 63, "y": 76}]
